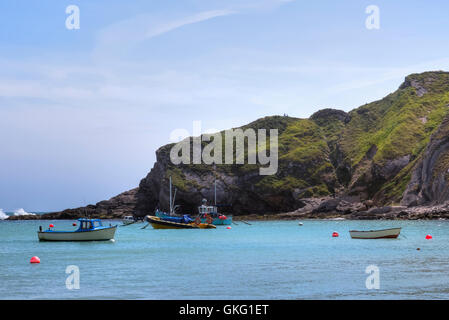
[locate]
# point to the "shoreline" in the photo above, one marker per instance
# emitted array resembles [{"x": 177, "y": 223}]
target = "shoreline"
[{"x": 437, "y": 212}]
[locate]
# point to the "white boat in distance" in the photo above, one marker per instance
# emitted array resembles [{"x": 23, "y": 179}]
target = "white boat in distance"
[
  {"x": 89, "y": 230},
  {"x": 375, "y": 234},
  {"x": 128, "y": 220}
]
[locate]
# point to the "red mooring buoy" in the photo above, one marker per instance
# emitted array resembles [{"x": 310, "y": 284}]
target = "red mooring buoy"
[
  {"x": 228, "y": 228},
  {"x": 335, "y": 234},
  {"x": 428, "y": 237},
  {"x": 35, "y": 259},
  {"x": 51, "y": 225}
]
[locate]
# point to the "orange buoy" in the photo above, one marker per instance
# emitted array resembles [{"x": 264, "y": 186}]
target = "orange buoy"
[
  {"x": 335, "y": 234},
  {"x": 35, "y": 259},
  {"x": 428, "y": 237},
  {"x": 228, "y": 228}
]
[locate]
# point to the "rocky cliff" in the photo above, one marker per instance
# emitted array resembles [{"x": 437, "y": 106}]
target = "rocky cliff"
[
  {"x": 388, "y": 152},
  {"x": 429, "y": 182}
]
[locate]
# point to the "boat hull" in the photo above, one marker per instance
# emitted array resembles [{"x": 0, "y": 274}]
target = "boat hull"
[
  {"x": 392, "y": 233},
  {"x": 216, "y": 221},
  {"x": 219, "y": 222},
  {"x": 158, "y": 223},
  {"x": 102, "y": 234}
]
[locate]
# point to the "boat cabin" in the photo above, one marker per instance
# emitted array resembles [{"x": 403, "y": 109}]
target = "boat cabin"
[
  {"x": 205, "y": 209},
  {"x": 89, "y": 224}
]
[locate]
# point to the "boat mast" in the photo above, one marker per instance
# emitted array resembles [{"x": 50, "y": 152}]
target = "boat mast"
[
  {"x": 173, "y": 201},
  {"x": 215, "y": 192},
  {"x": 170, "y": 198}
]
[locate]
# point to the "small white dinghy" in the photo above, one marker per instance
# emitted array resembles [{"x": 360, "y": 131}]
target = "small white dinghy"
[
  {"x": 89, "y": 230},
  {"x": 128, "y": 220},
  {"x": 375, "y": 234}
]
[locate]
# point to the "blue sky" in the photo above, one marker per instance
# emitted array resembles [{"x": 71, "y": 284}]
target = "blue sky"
[{"x": 83, "y": 111}]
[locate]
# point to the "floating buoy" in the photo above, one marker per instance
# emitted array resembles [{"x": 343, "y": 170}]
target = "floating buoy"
[
  {"x": 228, "y": 228},
  {"x": 224, "y": 217},
  {"x": 335, "y": 234},
  {"x": 51, "y": 225},
  {"x": 74, "y": 224},
  {"x": 300, "y": 223},
  {"x": 35, "y": 259},
  {"x": 418, "y": 249},
  {"x": 428, "y": 237}
]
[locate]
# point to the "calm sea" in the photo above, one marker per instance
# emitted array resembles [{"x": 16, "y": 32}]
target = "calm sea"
[{"x": 265, "y": 260}]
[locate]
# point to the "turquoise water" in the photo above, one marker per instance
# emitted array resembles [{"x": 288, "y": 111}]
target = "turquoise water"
[{"x": 267, "y": 260}]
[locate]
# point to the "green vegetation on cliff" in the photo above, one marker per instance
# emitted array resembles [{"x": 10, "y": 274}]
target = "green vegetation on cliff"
[
  {"x": 400, "y": 124},
  {"x": 372, "y": 149}
]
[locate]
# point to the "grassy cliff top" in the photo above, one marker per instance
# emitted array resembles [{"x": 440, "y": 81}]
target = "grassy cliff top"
[{"x": 401, "y": 123}]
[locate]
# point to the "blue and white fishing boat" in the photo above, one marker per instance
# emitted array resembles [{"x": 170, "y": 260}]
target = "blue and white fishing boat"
[
  {"x": 210, "y": 214},
  {"x": 206, "y": 214},
  {"x": 88, "y": 230}
]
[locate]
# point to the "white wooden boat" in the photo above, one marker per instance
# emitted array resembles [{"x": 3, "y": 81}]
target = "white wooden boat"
[
  {"x": 89, "y": 230},
  {"x": 128, "y": 220},
  {"x": 375, "y": 234}
]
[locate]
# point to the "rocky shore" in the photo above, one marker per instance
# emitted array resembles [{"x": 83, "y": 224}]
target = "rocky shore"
[
  {"x": 314, "y": 208},
  {"x": 335, "y": 208}
]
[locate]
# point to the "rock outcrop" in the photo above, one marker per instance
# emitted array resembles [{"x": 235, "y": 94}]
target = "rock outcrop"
[
  {"x": 117, "y": 207},
  {"x": 429, "y": 183}
]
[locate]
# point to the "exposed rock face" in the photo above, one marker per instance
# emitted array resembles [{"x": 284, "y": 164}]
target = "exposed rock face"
[
  {"x": 328, "y": 207},
  {"x": 240, "y": 189},
  {"x": 430, "y": 179},
  {"x": 360, "y": 211},
  {"x": 334, "y": 163},
  {"x": 403, "y": 213},
  {"x": 426, "y": 82}
]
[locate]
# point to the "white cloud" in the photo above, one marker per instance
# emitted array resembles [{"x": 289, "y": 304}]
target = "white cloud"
[
  {"x": 124, "y": 35},
  {"x": 199, "y": 17}
]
